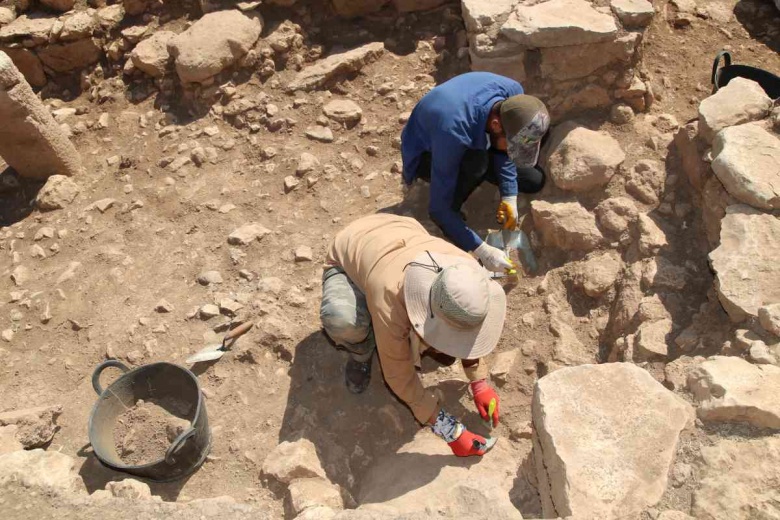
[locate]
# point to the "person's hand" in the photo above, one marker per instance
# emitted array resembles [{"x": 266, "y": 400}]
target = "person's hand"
[
  {"x": 469, "y": 444},
  {"x": 486, "y": 400},
  {"x": 493, "y": 258},
  {"x": 506, "y": 215}
]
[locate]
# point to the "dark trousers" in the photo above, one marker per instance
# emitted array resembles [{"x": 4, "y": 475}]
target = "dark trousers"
[{"x": 477, "y": 167}]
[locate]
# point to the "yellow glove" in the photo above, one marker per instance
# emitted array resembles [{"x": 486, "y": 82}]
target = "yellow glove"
[{"x": 506, "y": 215}]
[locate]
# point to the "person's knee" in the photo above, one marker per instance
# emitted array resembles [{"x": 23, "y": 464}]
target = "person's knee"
[
  {"x": 345, "y": 325},
  {"x": 530, "y": 180}
]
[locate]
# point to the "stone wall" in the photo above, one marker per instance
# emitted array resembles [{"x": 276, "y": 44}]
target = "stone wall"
[{"x": 573, "y": 54}]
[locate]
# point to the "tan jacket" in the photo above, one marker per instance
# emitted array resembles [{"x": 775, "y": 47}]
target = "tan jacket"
[{"x": 373, "y": 252}]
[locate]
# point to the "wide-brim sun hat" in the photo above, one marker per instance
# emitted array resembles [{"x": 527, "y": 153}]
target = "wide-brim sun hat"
[
  {"x": 525, "y": 120},
  {"x": 453, "y": 305}
]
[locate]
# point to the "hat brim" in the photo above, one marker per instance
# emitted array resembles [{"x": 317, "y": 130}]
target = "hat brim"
[
  {"x": 436, "y": 332},
  {"x": 523, "y": 155}
]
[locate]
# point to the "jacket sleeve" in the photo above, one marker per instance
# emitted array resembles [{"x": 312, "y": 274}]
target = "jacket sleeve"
[
  {"x": 506, "y": 173},
  {"x": 398, "y": 368},
  {"x": 447, "y": 154}
]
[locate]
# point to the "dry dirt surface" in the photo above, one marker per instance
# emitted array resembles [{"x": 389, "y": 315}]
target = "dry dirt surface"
[
  {"x": 139, "y": 267},
  {"x": 144, "y": 432}
]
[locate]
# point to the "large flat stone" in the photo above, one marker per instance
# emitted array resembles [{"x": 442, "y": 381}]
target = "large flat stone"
[
  {"x": 335, "y": 66},
  {"x": 746, "y": 261},
  {"x": 213, "y": 43},
  {"x": 579, "y": 61},
  {"x": 605, "y": 438},
  {"x": 73, "y": 56},
  {"x": 34, "y": 28},
  {"x": 741, "y": 101},
  {"x": 423, "y": 476},
  {"x": 747, "y": 162},
  {"x": 48, "y": 471},
  {"x": 559, "y": 23},
  {"x": 479, "y": 14},
  {"x": 581, "y": 159},
  {"x": 739, "y": 479},
  {"x": 566, "y": 225},
  {"x": 731, "y": 389},
  {"x": 35, "y": 426},
  {"x": 633, "y": 13}
]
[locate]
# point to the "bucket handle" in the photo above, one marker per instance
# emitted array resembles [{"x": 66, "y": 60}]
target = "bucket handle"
[
  {"x": 177, "y": 445},
  {"x": 99, "y": 370},
  {"x": 716, "y": 66}
]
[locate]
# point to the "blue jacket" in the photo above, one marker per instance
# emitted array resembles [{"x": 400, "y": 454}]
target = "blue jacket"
[{"x": 446, "y": 122}]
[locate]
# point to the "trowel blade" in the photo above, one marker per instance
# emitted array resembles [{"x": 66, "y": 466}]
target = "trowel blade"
[
  {"x": 490, "y": 442},
  {"x": 209, "y": 353}
]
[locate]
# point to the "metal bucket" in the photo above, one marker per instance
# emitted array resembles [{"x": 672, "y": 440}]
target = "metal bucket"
[{"x": 154, "y": 381}]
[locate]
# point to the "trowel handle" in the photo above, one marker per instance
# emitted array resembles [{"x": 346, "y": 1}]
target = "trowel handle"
[
  {"x": 99, "y": 370},
  {"x": 238, "y": 331}
]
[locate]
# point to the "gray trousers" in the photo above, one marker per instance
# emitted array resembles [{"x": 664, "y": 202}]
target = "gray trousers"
[{"x": 344, "y": 315}]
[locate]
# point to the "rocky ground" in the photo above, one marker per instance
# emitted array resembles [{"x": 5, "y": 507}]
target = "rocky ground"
[{"x": 219, "y": 156}]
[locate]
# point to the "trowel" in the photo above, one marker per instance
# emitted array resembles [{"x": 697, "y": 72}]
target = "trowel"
[
  {"x": 513, "y": 241},
  {"x": 213, "y": 352}
]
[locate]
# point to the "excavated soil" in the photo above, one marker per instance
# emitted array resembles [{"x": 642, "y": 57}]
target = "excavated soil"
[{"x": 143, "y": 433}]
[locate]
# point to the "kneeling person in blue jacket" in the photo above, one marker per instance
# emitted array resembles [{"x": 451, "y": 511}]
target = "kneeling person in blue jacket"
[{"x": 475, "y": 127}]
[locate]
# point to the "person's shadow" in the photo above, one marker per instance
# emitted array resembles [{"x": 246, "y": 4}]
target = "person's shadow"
[{"x": 351, "y": 432}]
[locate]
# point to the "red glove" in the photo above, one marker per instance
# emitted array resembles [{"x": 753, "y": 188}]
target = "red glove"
[
  {"x": 486, "y": 400},
  {"x": 468, "y": 444}
]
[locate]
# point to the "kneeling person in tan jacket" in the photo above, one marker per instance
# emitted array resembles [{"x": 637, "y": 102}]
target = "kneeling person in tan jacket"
[{"x": 392, "y": 287}]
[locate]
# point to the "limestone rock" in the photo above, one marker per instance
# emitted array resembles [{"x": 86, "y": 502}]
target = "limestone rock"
[
  {"x": 333, "y": 67},
  {"x": 581, "y": 159},
  {"x": 7, "y": 15},
  {"x": 739, "y": 479},
  {"x": 747, "y": 162},
  {"x": 633, "y": 13},
  {"x": 293, "y": 460},
  {"x": 209, "y": 277},
  {"x": 769, "y": 317},
  {"x": 568, "y": 350},
  {"x": 598, "y": 274},
  {"x": 305, "y": 493},
  {"x": 566, "y": 225},
  {"x": 36, "y": 426},
  {"x": 129, "y": 488},
  {"x": 676, "y": 372},
  {"x": 49, "y": 471},
  {"x": 69, "y": 57},
  {"x": 247, "y": 234},
  {"x": 28, "y": 64},
  {"x": 8, "y": 441},
  {"x": 307, "y": 164},
  {"x": 31, "y": 141},
  {"x": 616, "y": 214},
  {"x": 502, "y": 365},
  {"x": 151, "y": 55},
  {"x": 731, "y": 389},
  {"x": 81, "y": 25},
  {"x": 741, "y": 101},
  {"x": 319, "y": 133},
  {"x": 478, "y": 14},
  {"x": 651, "y": 237},
  {"x": 579, "y": 61},
  {"x": 343, "y": 111},
  {"x": 58, "y": 192},
  {"x": 745, "y": 262},
  {"x": 559, "y": 23},
  {"x": 650, "y": 343},
  {"x": 647, "y": 181},
  {"x": 406, "y": 485},
  {"x": 352, "y": 8},
  {"x": 605, "y": 438},
  {"x": 213, "y": 43},
  {"x": 35, "y": 29}
]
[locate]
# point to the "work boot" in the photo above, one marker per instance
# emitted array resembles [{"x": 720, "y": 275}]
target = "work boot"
[{"x": 358, "y": 375}]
